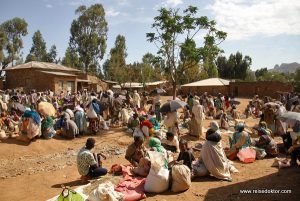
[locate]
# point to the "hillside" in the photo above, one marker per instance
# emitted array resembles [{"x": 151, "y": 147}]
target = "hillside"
[{"x": 286, "y": 67}]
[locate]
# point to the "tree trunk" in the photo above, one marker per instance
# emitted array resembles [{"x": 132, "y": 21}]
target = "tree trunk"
[{"x": 174, "y": 90}]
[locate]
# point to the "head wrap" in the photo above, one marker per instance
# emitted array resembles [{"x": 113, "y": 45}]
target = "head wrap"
[
  {"x": 33, "y": 115},
  {"x": 214, "y": 126},
  {"x": 155, "y": 143}
]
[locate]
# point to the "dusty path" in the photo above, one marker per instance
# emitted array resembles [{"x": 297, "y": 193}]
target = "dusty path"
[{"x": 35, "y": 172}]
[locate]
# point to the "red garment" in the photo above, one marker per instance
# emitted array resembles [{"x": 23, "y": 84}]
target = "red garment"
[
  {"x": 146, "y": 123},
  {"x": 132, "y": 188},
  {"x": 227, "y": 104}
]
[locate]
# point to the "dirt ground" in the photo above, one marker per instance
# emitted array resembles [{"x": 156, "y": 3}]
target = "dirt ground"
[{"x": 36, "y": 171}]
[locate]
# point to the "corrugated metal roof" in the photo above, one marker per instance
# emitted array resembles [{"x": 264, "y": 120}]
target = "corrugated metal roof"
[
  {"x": 58, "y": 73},
  {"x": 42, "y": 65},
  {"x": 155, "y": 83},
  {"x": 129, "y": 85},
  {"x": 208, "y": 82}
]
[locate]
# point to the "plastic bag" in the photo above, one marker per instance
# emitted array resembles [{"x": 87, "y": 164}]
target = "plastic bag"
[
  {"x": 69, "y": 195},
  {"x": 181, "y": 178},
  {"x": 247, "y": 155}
]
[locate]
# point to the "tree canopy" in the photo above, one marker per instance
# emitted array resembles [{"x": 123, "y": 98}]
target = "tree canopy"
[
  {"x": 89, "y": 35},
  {"x": 11, "y": 43},
  {"x": 236, "y": 66},
  {"x": 174, "y": 37},
  {"x": 38, "y": 51},
  {"x": 116, "y": 69}
]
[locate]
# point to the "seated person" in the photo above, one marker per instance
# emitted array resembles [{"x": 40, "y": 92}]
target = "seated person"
[
  {"x": 262, "y": 129},
  {"x": 185, "y": 155},
  {"x": 87, "y": 164},
  {"x": 146, "y": 127},
  {"x": 47, "y": 128},
  {"x": 240, "y": 139},
  {"x": 171, "y": 143},
  {"x": 133, "y": 122},
  {"x": 135, "y": 151},
  {"x": 267, "y": 143},
  {"x": 213, "y": 156},
  {"x": 224, "y": 121},
  {"x": 234, "y": 112}
]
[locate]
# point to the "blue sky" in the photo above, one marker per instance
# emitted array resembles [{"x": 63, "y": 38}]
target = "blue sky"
[{"x": 266, "y": 30}]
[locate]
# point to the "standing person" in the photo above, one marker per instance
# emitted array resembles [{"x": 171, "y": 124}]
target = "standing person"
[
  {"x": 196, "y": 121},
  {"x": 156, "y": 107},
  {"x": 80, "y": 119},
  {"x": 136, "y": 99},
  {"x": 33, "y": 99},
  {"x": 117, "y": 107},
  {"x": 190, "y": 101},
  {"x": 88, "y": 164},
  {"x": 171, "y": 122},
  {"x": 144, "y": 100},
  {"x": 92, "y": 114}
]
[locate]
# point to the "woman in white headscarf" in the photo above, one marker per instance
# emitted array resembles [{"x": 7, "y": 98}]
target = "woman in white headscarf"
[
  {"x": 197, "y": 117},
  {"x": 213, "y": 156}
]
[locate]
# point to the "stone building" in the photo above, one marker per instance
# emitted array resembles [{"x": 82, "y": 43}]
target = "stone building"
[
  {"x": 42, "y": 76},
  {"x": 261, "y": 88}
]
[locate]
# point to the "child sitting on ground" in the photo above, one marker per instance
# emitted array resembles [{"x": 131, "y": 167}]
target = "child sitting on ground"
[
  {"x": 185, "y": 155},
  {"x": 171, "y": 143}
]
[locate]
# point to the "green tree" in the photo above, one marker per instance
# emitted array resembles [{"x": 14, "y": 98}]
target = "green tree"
[
  {"x": 71, "y": 59},
  {"x": 52, "y": 54},
  {"x": 117, "y": 64},
  {"x": 38, "y": 51},
  {"x": 89, "y": 35},
  {"x": 236, "y": 66},
  {"x": 174, "y": 38},
  {"x": 261, "y": 73},
  {"x": 11, "y": 33}
]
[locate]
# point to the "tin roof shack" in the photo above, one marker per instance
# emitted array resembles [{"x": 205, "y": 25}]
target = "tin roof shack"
[
  {"x": 211, "y": 86},
  {"x": 261, "y": 88}
]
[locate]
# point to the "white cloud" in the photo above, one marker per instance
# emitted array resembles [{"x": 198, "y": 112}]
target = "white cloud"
[
  {"x": 110, "y": 12},
  {"x": 49, "y": 6},
  {"x": 173, "y": 2},
  {"x": 168, "y": 3},
  {"x": 243, "y": 19}
]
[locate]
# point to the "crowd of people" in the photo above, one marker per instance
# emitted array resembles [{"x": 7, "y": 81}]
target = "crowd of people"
[{"x": 157, "y": 132}]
